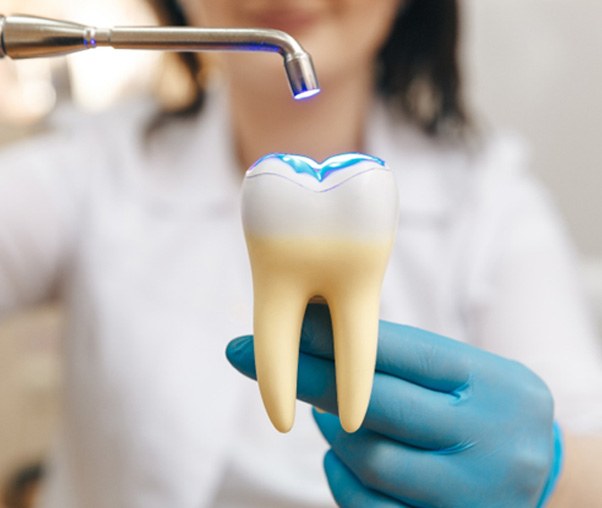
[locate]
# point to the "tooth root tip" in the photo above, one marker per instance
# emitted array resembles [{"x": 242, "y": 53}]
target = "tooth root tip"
[
  {"x": 283, "y": 427},
  {"x": 351, "y": 422},
  {"x": 350, "y": 427},
  {"x": 282, "y": 421}
]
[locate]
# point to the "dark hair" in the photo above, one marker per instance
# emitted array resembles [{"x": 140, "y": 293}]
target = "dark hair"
[{"x": 418, "y": 66}]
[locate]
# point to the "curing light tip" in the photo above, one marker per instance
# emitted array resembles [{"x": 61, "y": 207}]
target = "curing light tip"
[{"x": 306, "y": 94}]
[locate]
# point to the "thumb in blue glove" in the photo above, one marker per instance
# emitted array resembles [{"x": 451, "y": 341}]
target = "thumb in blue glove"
[{"x": 448, "y": 425}]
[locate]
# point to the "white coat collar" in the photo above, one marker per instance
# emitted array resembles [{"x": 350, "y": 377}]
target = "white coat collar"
[{"x": 193, "y": 163}]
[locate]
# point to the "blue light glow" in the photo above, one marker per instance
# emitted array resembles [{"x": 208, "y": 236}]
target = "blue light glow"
[
  {"x": 302, "y": 164},
  {"x": 306, "y": 94}
]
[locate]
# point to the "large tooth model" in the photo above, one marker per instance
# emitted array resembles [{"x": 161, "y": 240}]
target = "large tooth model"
[{"x": 318, "y": 230}]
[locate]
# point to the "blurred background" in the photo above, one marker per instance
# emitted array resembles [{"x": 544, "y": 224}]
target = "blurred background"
[{"x": 532, "y": 67}]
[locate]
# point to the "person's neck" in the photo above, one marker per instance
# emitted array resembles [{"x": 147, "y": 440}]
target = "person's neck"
[{"x": 330, "y": 123}]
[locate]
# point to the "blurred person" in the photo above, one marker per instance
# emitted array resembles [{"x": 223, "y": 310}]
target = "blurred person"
[{"x": 133, "y": 218}]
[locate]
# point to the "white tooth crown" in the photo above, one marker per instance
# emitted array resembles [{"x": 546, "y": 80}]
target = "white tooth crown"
[{"x": 318, "y": 230}]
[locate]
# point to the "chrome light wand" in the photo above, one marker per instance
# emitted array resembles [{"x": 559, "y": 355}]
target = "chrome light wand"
[{"x": 35, "y": 37}]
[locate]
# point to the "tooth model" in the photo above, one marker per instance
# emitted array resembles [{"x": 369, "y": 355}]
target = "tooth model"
[{"x": 318, "y": 230}]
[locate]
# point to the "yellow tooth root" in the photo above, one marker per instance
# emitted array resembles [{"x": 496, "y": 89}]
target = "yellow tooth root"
[
  {"x": 280, "y": 299},
  {"x": 278, "y": 317},
  {"x": 355, "y": 332},
  {"x": 286, "y": 274},
  {"x": 354, "y": 302}
]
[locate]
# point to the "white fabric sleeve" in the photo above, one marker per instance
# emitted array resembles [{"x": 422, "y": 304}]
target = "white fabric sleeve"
[
  {"x": 40, "y": 185},
  {"x": 527, "y": 301}
]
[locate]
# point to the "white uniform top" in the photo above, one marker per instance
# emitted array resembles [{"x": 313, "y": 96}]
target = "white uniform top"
[{"x": 145, "y": 245}]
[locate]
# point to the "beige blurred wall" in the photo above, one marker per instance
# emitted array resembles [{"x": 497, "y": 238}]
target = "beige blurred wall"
[
  {"x": 29, "y": 386},
  {"x": 535, "y": 66}
]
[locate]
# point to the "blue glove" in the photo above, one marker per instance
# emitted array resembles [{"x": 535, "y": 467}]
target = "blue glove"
[{"x": 448, "y": 425}]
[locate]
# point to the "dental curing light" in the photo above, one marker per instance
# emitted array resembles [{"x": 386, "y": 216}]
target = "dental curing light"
[{"x": 35, "y": 37}]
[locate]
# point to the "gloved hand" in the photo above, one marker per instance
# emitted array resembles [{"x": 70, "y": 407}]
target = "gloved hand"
[{"x": 448, "y": 425}]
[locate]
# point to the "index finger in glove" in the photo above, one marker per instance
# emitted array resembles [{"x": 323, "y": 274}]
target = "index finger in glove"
[
  {"x": 403, "y": 411},
  {"x": 416, "y": 355}
]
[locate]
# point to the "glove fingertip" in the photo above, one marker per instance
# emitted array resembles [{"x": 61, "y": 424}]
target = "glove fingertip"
[
  {"x": 330, "y": 461},
  {"x": 328, "y": 424},
  {"x": 240, "y": 354}
]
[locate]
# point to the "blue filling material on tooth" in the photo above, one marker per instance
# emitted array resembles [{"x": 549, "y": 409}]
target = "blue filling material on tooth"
[{"x": 302, "y": 164}]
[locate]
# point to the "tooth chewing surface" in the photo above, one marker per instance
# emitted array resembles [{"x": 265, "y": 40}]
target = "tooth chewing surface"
[{"x": 305, "y": 242}]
